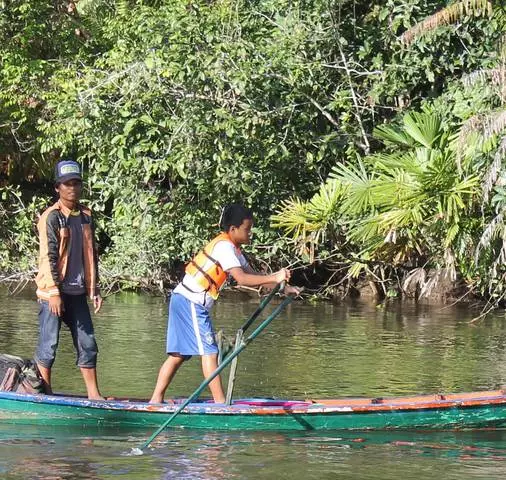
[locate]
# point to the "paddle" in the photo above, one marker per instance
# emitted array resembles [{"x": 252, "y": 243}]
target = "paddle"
[
  {"x": 239, "y": 337},
  {"x": 245, "y": 326},
  {"x": 207, "y": 381},
  {"x": 263, "y": 304}
]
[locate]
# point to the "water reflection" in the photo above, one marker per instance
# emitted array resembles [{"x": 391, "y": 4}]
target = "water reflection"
[
  {"x": 322, "y": 350},
  {"x": 55, "y": 453},
  {"x": 317, "y": 350}
]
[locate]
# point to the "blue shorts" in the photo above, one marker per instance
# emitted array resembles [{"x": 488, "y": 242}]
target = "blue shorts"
[{"x": 189, "y": 329}]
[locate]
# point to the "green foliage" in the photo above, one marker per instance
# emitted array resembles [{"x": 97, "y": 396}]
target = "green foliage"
[
  {"x": 18, "y": 219},
  {"x": 178, "y": 107},
  {"x": 36, "y": 37},
  {"x": 406, "y": 205}
]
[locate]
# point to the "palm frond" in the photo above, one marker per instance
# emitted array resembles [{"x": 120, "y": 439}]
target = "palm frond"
[
  {"x": 451, "y": 233},
  {"x": 484, "y": 125},
  {"x": 447, "y": 16},
  {"x": 493, "y": 229},
  {"x": 386, "y": 225},
  {"x": 324, "y": 204},
  {"x": 424, "y": 128},
  {"x": 309, "y": 222},
  {"x": 402, "y": 217},
  {"x": 350, "y": 174},
  {"x": 394, "y": 189},
  {"x": 496, "y": 76},
  {"x": 493, "y": 171},
  {"x": 356, "y": 268},
  {"x": 420, "y": 128},
  {"x": 359, "y": 182},
  {"x": 387, "y": 162},
  {"x": 292, "y": 217},
  {"x": 392, "y": 135},
  {"x": 436, "y": 278},
  {"x": 496, "y": 229},
  {"x": 414, "y": 278}
]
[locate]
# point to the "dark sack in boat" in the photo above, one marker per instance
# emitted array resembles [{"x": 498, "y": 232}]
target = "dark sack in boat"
[{"x": 19, "y": 375}]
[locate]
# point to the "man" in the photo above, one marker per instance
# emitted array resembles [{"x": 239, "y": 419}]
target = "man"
[{"x": 68, "y": 273}]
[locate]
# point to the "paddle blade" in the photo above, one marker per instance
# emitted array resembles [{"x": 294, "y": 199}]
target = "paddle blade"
[{"x": 136, "y": 451}]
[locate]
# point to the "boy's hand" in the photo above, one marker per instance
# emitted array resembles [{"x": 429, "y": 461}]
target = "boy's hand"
[
  {"x": 282, "y": 275},
  {"x": 291, "y": 290},
  {"x": 56, "y": 305}
]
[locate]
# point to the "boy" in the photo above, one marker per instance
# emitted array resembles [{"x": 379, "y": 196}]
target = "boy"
[
  {"x": 189, "y": 329},
  {"x": 68, "y": 271}
]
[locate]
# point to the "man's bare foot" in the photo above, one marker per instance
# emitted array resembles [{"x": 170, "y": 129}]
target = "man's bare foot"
[{"x": 155, "y": 399}]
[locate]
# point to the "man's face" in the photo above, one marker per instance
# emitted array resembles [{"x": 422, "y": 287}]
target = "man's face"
[{"x": 70, "y": 191}]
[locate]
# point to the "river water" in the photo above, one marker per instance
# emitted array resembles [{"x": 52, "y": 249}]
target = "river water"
[{"x": 310, "y": 351}]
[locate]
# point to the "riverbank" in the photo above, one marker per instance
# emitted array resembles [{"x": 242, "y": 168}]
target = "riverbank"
[{"x": 442, "y": 293}]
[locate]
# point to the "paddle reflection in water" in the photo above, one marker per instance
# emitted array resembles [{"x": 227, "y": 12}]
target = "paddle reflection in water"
[
  {"x": 42, "y": 453},
  {"x": 318, "y": 351}
]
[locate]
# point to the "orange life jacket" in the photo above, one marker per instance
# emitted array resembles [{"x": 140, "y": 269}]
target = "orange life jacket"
[{"x": 212, "y": 278}]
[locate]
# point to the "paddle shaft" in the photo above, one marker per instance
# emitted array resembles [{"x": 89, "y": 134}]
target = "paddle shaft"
[
  {"x": 222, "y": 366},
  {"x": 233, "y": 368},
  {"x": 247, "y": 324},
  {"x": 240, "y": 335},
  {"x": 260, "y": 308}
]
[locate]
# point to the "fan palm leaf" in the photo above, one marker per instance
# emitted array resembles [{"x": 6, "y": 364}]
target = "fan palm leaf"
[
  {"x": 359, "y": 197},
  {"x": 418, "y": 128},
  {"x": 424, "y": 128},
  {"x": 386, "y": 162},
  {"x": 392, "y": 135},
  {"x": 308, "y": 222}
]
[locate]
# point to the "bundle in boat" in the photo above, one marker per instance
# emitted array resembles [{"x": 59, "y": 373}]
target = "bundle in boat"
[{"x": 20, "y": 375}]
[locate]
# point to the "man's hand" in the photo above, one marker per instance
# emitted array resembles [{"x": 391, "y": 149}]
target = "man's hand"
[
  {"x": 291, "y": 290},
  {"x": 97, "y": 303},
  {"x": 56, "y": 306}
]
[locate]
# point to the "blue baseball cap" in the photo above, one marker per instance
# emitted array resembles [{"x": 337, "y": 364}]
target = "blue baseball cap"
[{"x": 67, "y": 170}]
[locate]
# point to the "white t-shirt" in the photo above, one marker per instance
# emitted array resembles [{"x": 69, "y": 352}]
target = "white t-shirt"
[{"x": 226, "y": 254}]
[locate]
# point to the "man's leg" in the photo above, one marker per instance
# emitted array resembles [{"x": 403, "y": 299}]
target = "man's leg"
[
  {"x": 45, "y": 373},
  {"x": 165, "y": 376},
  {"x": 90, "y": 380},
  {"x": 49, "y": 330},
  {"x": 77, "y": 317},
  {"x": 209, "y": 365}
]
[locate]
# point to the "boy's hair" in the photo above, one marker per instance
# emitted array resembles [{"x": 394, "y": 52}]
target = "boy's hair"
[{"x": 233, "y": 215}]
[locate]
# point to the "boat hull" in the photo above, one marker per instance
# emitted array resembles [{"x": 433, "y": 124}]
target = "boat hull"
[{"x": 465, "y": 411}]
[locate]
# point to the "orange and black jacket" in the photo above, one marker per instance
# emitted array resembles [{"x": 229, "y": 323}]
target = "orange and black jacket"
[{"x": 54, "y": 238}]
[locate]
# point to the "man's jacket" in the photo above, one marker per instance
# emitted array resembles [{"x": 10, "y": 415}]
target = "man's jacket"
[{"x": 54, "y": 238}]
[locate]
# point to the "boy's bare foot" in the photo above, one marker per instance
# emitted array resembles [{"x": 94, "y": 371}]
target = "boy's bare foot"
[{"x": 96, "y": 397}]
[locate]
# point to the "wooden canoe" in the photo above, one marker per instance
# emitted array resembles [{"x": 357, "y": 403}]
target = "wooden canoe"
[{"x": 474, "y": 410}]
